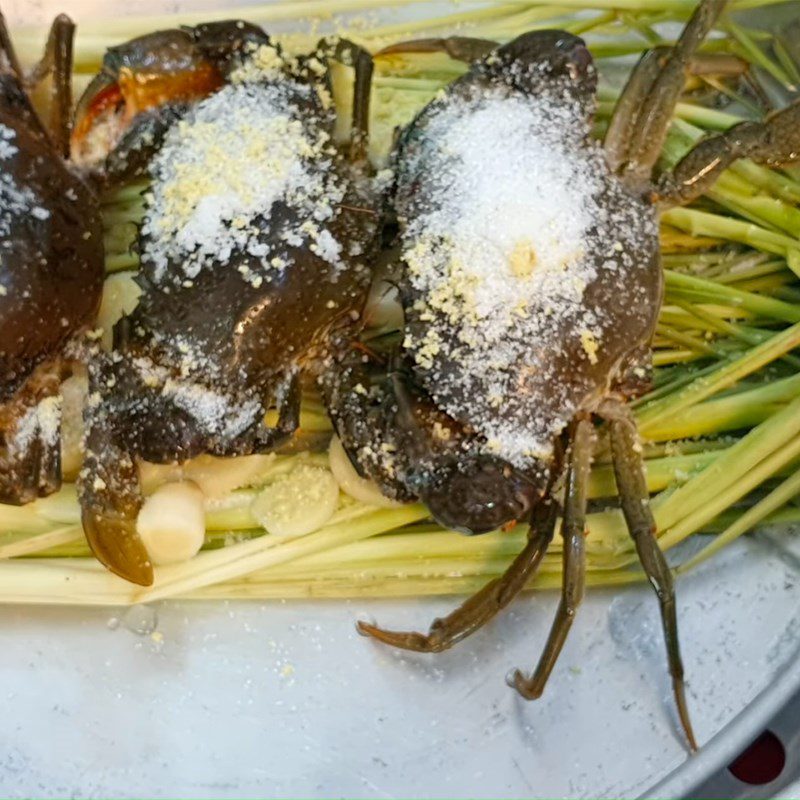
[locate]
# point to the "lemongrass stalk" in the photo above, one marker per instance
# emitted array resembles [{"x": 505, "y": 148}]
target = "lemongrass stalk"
[
  {"x": 753, "y": 53},
  {"x": 86, "y": 582},
  {"x": 778, "y": 183},
  {"x": 702, "y": 421},
  {"x": 686, "y": 339},
  {"x": 673, "y": 240},
  {"x": 704, "y": 223},
  {"x": 761, "y": 210},
  {"x": 450, "y": 21},
  {"x": 41, "y": 541},
  {"x": 777, "y": 286},
  {"x": 723, "y": 377},
  {"x": 23, "y": 520},
  {"x": 709, "y": 119},
  {"x": 734, "y": 465},
  {"x": 778, "y": 497},
  {"x": 128, "y": 194},
  {"x": 130, "y": 212},
  {"x": 786, "y": 61},
  {"x": 232, "y": 562},
  {"x": 119, "y": 262},
  {"x": 414, "y": 567},
  {"x": 732, "y": 493},
  {"x": 660, "y": 473},
  {"x": 673, "y": 384},
  {"x": 751, "y": 336},
  {"x": 668, "y": 357},
  {"x": 354, "y": 587},
  {"x": 759, "y": 270},
  {"x": 680, "y": 283}
]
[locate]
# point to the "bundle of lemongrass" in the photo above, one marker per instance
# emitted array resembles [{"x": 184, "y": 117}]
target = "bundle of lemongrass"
[{"x": 721, "y": 426}]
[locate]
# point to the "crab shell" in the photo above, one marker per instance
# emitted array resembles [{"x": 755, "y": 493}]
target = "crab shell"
[{"x": 420, "y": 427}]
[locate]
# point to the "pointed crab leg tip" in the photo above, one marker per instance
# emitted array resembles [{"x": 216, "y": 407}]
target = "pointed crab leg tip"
[
  {"x": 683, "y": 713},
  {"x": 365, "y": 628},
  {"x": 374, "y": 632},
  {"x": 524, "y": 687}
]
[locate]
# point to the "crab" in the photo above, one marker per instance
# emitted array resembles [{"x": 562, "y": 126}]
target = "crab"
[
  {"x": 51, "y": 266},
  {"x": 530, "y": 283},
  {"x": 254, "y": 249}
]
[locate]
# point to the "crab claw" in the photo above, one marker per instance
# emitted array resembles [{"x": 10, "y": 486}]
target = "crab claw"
[
  {"x": 110, "y": 498},
  {"x": 478, "y": 496},
  {"x": 144, "y": 84}
]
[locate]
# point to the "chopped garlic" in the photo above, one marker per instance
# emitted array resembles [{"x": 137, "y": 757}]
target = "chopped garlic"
[{"x": 297, "y": 503}]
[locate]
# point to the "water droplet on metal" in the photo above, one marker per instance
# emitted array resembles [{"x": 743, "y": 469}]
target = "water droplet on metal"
[
  {"x": 142, "y": 620},
  {"x": 113, "y": 623},
  {"x": 511, "y": 677}
]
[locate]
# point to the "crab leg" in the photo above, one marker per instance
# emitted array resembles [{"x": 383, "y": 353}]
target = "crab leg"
[
  {"x": 635, "y": 500},
  {"x": 8, "y": 56},
  {"x": 657, "y": 102},
  {"x": 626, "y": 112},
  {"x": 475, "y": 612},
  {"x": 110, "y": 495},
  {"x": 30, "y": 440},
  {"x": 267, "y": 438},
  {"x": 774, "y": 142},
  {"x": 110, "y": 503},
  {"x": 639, "y": 85},
  {"x": 57, "y": 60},
  {"x": 459, "y": 48},
  {"x": 360, "y": 60},
  {"x": 573, "y": 530}
]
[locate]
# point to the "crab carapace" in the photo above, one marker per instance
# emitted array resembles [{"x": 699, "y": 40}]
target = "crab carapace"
[
  {"x": 51, "y": 265},
  {"x": 530, "y": 286},
  {"x": 254, "y": 254}
]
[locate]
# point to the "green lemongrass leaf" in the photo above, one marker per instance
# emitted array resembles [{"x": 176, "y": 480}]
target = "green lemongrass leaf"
[
  {"x": 681, "y": 284},
  {"x": 703, "y": 223},
  {"x": 353, "y": 586},
  {"x": 732, "y": 492},
  {"x": 777, "y": 498},
  {"x": 41, "y": 541},
  {"x": 724, "y": 376},
  {"x": 754, "y": 53},
  {"x": 737, "y": 465}
]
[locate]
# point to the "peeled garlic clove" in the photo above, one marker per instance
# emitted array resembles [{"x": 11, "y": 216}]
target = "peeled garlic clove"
[
  {"x": 351, "y": 482},
  {"x": 171, "y": 523},
  {"x": 297, "y": 503}
]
